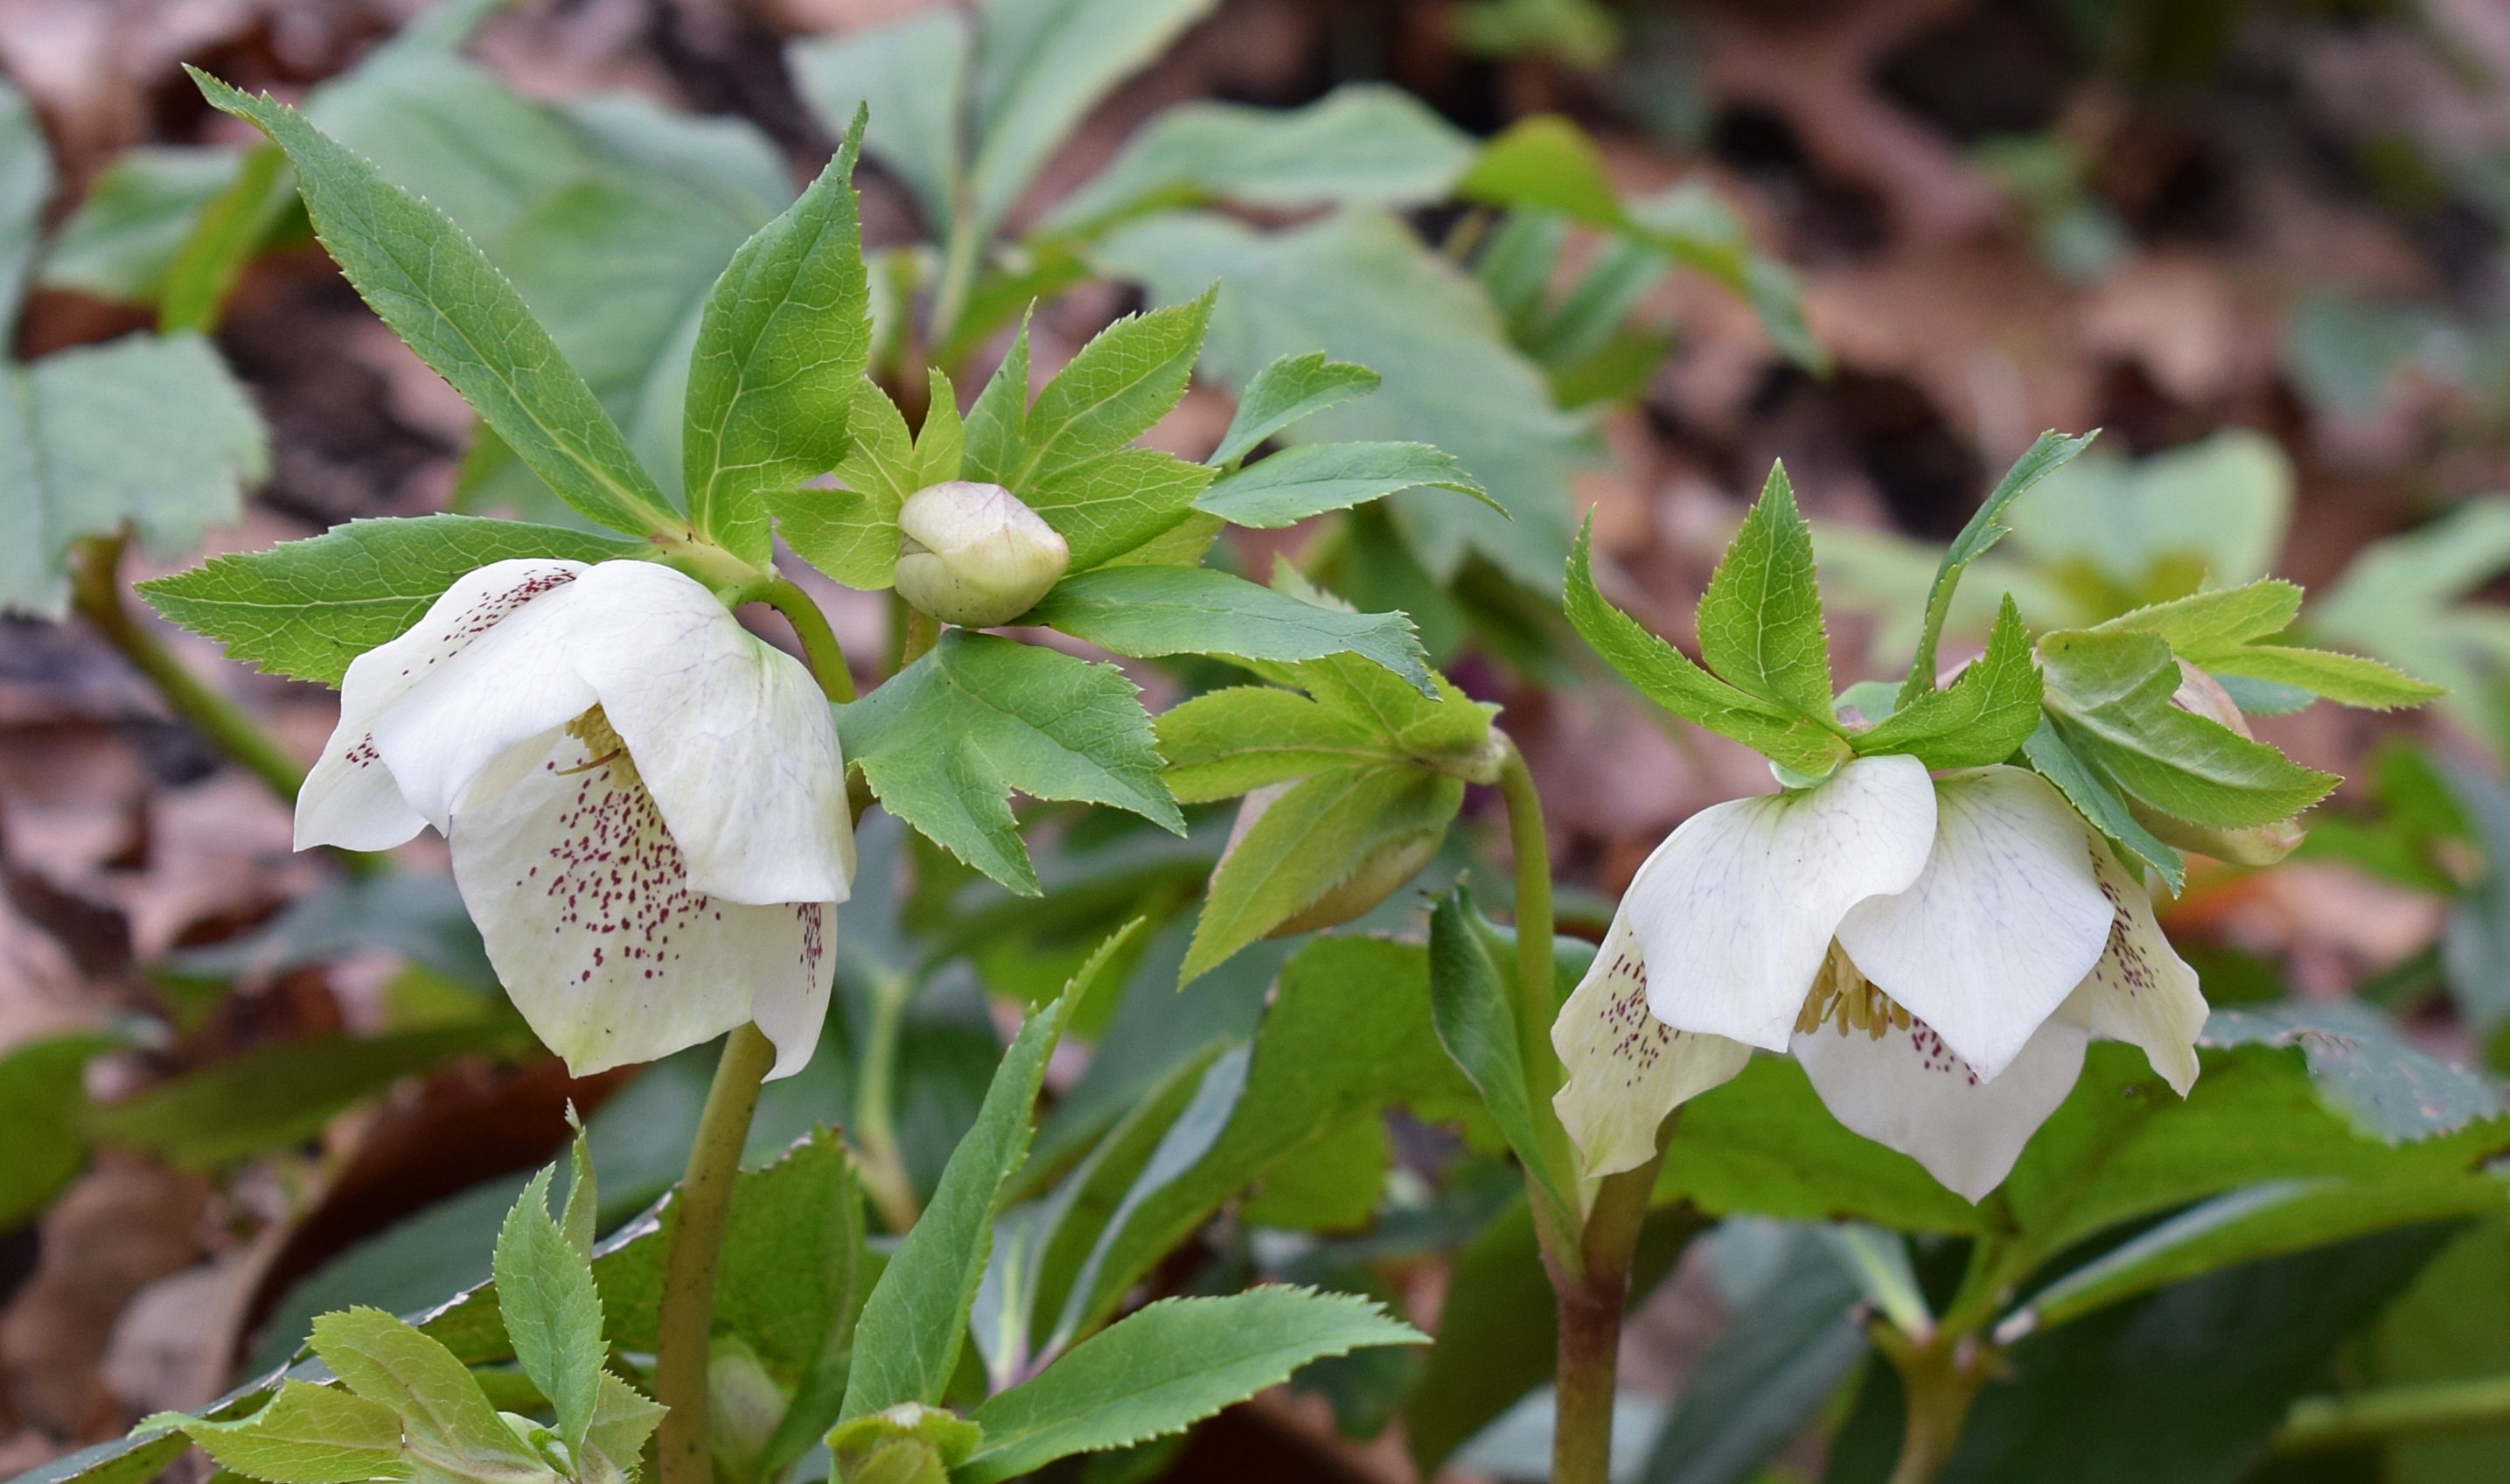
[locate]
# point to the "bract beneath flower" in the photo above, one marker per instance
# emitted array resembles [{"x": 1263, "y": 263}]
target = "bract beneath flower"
[{"x": 645, "y": 803}]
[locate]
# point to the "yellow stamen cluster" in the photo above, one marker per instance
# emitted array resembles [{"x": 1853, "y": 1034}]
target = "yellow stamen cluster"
[
  {"x": 602, "y": 749},
  {"x": 1844, "y": 998}
]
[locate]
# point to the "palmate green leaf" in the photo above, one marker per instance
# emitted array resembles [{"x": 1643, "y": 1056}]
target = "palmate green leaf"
[
  {"x": 552, "y": 1312},
  {"x": 907, "y": 1344},
  {"x": 2215, "y": 622},
  {"x": 1322, "y": 1057},
  {"x": 1473, "y": 1007},
  {"x": 1068, "y": 456},
  {"x": 910, "y": 74},
  {"x": 41, "y": 1093},
  {"x": 440, "y": 294},
  {"x": 1363, "y": 144},
  {"x": 1290, "y": 389},
  {"x": 146, "y": 431},
  {"x": 2259, "y": 1221},
  {"x": 1229, "y": 741},
  {"x": 851, "y": 532},
  {"x": 2383, "y": 1085},
  {"x": 2346, "y": 679},
  {"x": 1661, "y": 673},
  {"x": 1295, "y": 483},
  {"x": 1360, "y": 287},
  {"x": 1166, "y": 1367},
  {"x": 308, "y": 1434},
  {"x": 1760, "y": 621},
  {"x": 2109, "y": 693},
  {"x": 945, "y": 741},
  {"x": 2093, "y": 797},
  {"x": 779, "y": 352},
  {"x": 1309, "y": 840},
  {"x": 1146, "y": 612},
  {"x": 1982, "y": 530},
  {"x": 1038, "y": 67},
  {"x": 448, "y": 1422},
  {"x": 304, "y": 609},
  {"x": 1984, "y": 716}
]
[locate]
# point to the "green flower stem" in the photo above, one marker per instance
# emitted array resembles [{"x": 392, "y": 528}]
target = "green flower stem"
[
  {"x": 96, "y": 592},
  {"x": 959, "y": 261},
  {"x": 684, "y": 1331},
  {"x": 2378, "y": 1415},
  {"x": 1939, "y": 1378},
  {"x": 923, "y": 631},
  {"x": 883, "y": 1169},
  {"x": 1591, "y": 1307},
  {"x": 819, "y": 647}
]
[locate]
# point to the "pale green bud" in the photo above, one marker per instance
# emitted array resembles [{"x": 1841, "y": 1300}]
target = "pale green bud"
[
  {"x": 909, "y": 1443},
  {"x": 2201, "y": 695},
  {"x": 1379, "y": 875},
  {"x": 972, "y": 555}
]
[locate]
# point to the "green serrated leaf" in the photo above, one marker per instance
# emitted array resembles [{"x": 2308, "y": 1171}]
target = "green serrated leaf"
[
  {"x": 1664, "y": 675},
  {"x": 2096, "y": 801},
  {"x": 779, "y": 349},
  {"x": 1983, "y": 717},
  {"x": 1119, "y": 506},
  {"x": 1309, "y": 480},
  {"x": 1146, "y": 612},
  {"x": 945, "y": 740},
  {"x": 551, "y": 1314},
  {"x": 1981, "y": 531},
  {"x": 1760, "y": 621},
  {"x": 2346, "y": 679},
  {"x": 1126, "y": 378},
  {"x": 1288, "y": 389},
  {"x": 304, "y": 609},
  {"x": 448, "y": 1421},
  {"x": 2111, "y": 694},
  {"x": 1166, "y": 1367},
  {"x": 1307, "y": 841},
  {"x": 308, "y": 1434},
  {"x": 907, "y": 1342},
  {"x": 2210, "y": 623},
  {"x": 1229, "y": 741},
  {"x": 443, "y": 296},
  {"x": 1471, "y": 1004}
]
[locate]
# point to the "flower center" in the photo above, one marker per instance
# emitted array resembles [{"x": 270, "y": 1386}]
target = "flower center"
[
  {"x": 602, "y": 749},
  {"x": 1842, "y": 996}
]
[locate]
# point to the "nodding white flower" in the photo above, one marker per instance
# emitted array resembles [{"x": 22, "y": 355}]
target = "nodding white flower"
[
  {"x": 1936, "y": 951},
  {"x": 645, "y": 803}
]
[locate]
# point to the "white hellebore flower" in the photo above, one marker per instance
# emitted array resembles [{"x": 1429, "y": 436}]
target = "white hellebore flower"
[
  {"x": 645, "y": 803},
  {"x": 1936, "y": 951}
]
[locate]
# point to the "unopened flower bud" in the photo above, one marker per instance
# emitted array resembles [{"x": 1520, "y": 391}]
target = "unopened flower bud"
[
  {"x": 2201, "y": 695},
  {"x": 972, "y": 555},
  {"x": 909, "y": 1443},
  {"x": 1378, "y": 876}
]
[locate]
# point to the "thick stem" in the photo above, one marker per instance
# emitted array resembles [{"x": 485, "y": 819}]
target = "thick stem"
[
  {"x": 1590, "y": 1309},
  {"x": 2418, "y": 1410},
  {"x": 883, "y": 1169},
  {"x": 1938, "y": 1381},
  {"x": 819, "y": 647},
  {"x": 683, "y": 1332},
  {"x": 96, "y": 591}
]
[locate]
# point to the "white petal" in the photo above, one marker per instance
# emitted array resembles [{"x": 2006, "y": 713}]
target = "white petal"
[
  {"x": 2005, "y": 921},
  {"x": 1627, "y": 1069},
  {"x": 508, "y": 680},
  {"x": 1909, "y": 1091},
  {"x": 349, "y": 798},
  {"x": 732, "y": 735},
  {"x": 1735, "y": 909},
  {"x": 582, "y": 897},
  {"x": 2140, "y": 992}
]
